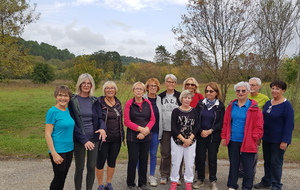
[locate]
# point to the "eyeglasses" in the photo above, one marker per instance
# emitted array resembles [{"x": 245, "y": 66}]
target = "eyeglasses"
[
  {"x": 189, "y": 84},
  {"x": 269, "y": 109},
  {"x": 138, "y": 89},
  {"x": 253, "y": 84},
  {"x": 86, "y": 84},
  {"x": 152, "y": 86},
  {"x": 241, "y": 91},
  {"x": 110, "y": 88},
  {"x": 209, "y": 91},
  {"x": 170, "y": 82}
]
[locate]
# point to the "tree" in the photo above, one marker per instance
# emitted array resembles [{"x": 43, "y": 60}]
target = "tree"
[
  {"x": 181, "y": 57},
  {"x": 275, "y": 25},
  {"x": 82, "y": 64},
  {"x": 14, "y": 16},
  {"x": 162, "y": 55},
  {"x": 43, "y": 73},
  {"x": 214, "y": 32}
]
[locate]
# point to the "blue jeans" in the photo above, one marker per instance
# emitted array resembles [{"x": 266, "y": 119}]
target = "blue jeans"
[
  {"x": 153, "y": 152},
  {"x": 247, "y": 159},
  {"x": 273, "y": 161}
]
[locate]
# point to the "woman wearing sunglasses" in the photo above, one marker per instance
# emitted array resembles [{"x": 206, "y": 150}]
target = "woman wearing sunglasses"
[
  {"x": 211, "y": 112},
  {"x": 241, "y": 132},
  {"x": 192, "y": 85}
]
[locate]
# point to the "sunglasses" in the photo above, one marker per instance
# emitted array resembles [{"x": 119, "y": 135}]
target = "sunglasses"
[
  {"x": 240, "y": 91},
  {"x": 190, "y": 84},
  {"x": 209, "y": 91}
]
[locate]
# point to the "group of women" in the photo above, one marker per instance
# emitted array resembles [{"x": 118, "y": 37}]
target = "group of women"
[{"x": 188, "y": 126}]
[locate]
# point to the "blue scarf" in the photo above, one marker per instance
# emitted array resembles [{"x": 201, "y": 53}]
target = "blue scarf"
[{"x": 210, "y": 103}]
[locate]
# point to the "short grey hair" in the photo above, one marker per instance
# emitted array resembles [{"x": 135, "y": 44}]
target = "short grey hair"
[
  {"x": 171, "y": 76},
  {"x": 184, "y": 94},
  {"x": 107, "y": 83},
  {"x": 257, "y": 80},
  {"x": 81, "y": 79},
  {"x": 242, "y": 84}
]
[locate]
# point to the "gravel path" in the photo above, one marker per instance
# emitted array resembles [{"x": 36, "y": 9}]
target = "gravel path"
[{"x": 33, "y": 174}]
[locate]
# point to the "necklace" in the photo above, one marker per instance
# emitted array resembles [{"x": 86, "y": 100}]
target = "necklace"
[{"x": 110, "y": 101}]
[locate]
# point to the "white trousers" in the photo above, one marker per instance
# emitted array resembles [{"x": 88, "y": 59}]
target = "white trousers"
[{"x": 188, "y": 154}]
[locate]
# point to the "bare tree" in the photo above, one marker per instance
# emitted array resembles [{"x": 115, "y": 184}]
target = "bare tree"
[
  {"x": 215, "y": 32},
  {"x": 275, "y": 23}
]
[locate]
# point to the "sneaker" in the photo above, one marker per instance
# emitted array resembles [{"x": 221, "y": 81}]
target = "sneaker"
[
  {"x": 231, "y": 188},
  {"x": 188, "y": 186},
  {"x": 261, "y": 186},
  {"x": 143, "y": 187},
  {"x": 179, "y": 182},
  {"x": 163, "y": 181},
  {"x": 198, "y": 184},
  {"x": 214, "y": 186},
  {"x": 108, "y": 186},
  {"x": 173, "y": 186},
  {"x": 100, "y": 187},
  {"x": 152, "y": 181}
]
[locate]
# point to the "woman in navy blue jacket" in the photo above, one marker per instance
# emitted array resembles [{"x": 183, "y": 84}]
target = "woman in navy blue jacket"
[
  {"x": 89, "y": 128},
  {"x": 211, "y": 113},
  {"x": 278, "y": 127}
]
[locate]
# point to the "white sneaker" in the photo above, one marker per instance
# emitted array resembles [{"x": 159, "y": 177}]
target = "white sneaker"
[
  {"x": 152, "y": 181},
  {"x": 231, "y": 188},
  {"x": 163, "y": 181},
  {"x": 214, "y": 186}
]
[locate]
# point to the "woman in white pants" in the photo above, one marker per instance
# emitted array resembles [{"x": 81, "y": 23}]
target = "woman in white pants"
[{"x": 184, "y": 127}]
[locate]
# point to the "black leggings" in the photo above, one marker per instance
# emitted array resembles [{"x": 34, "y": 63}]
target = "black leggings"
[
  {"x": 108, "y": 151},
  {"x": 60, "y": 170}
]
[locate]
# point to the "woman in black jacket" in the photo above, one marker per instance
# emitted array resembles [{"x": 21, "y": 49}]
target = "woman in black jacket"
[{"x": 211, "y": 112}]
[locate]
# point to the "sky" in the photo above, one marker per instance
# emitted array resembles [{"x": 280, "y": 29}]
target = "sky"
[{"x": 130, "y": 27}]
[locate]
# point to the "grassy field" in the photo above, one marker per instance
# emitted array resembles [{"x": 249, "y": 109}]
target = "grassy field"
[{"x": 23, "y": 106}]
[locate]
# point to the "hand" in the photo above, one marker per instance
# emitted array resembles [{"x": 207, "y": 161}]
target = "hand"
[
  {"x": 89, "y": 145},
  {"x": 57, "y": 158},
  {"x": 140, "y": 136},
  {"x": 187, "y": 142},
  {"x": 283, "y": 146},
  {"x": 258, "y": 142},
  {"x": 144, "y": 130},
  {"x": 223, "y": 142},
  {"x": 205, "y": 133},
  {"x": 102, "y": 135}
]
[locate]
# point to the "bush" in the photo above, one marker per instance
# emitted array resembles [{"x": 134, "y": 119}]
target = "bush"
[{"x": 42, "y": 73}]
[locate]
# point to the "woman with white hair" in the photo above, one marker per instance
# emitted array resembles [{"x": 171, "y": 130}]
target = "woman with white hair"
[
  {"x": 242, "y": 130},
  {"x": 184, "y": 127},
  {"x": 89, "y": 129}
]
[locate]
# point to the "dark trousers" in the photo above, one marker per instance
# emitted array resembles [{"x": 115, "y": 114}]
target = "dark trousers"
[
  {"x": 247, "y": 160},
  {"x": 137, "y": 153},
  {"x": 165, "y": 154},
  {"x": 108, "y": 151},
  {"x": 60, "y": 170},
  {"x": 273, "y": 161},
  {"x": 206, "y": 146}
]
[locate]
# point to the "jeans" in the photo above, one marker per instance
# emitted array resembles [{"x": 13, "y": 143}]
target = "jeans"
[
  {"x": 206, "y": 146},
  {"x": 247, "y": 160},
  {"x": 137, "y": 153},
  {"x": 165, "y": 153},
  {"x": 60, "y": 170},
  {"x": 153, "y": 152},
  {"x": 79, "y": 154},
  {"x": 273, "y": 161}
]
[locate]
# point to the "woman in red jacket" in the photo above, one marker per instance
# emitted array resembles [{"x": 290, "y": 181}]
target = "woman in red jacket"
[{"x": 241, "y": 132}]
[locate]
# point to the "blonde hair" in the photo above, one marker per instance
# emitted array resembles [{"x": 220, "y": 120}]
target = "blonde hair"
[
  {"x": 81, "y": 79},
  {"x": 143, "y": 85},
  {"x": 194, "y": 81},
  {"x": 107, "y": 83}
]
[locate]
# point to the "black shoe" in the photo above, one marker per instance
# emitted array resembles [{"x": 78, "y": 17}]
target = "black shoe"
[{"x": 261, "y": 186}]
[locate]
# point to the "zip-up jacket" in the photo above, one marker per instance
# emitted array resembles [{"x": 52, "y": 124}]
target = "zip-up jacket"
[
  {"x": 118, "y": 106},
  {"x": 253, "y": 131},
  {"x": 176, "y": 94},
  {"x": 135, "y": 116},
  {"x": 217, "y": 122},
  {"x": 98, "y": 122}
]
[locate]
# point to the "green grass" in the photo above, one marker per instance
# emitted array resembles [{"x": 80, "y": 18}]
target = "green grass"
[{"x": 23, "y": 106}]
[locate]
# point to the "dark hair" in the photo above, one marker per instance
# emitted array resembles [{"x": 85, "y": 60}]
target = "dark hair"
[
  {"x": 279, "y": 84},
  {"x": 62, "y": 89}
]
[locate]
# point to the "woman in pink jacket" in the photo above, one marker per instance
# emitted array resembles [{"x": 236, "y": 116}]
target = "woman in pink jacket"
[{"x": 241, "y": 133}]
